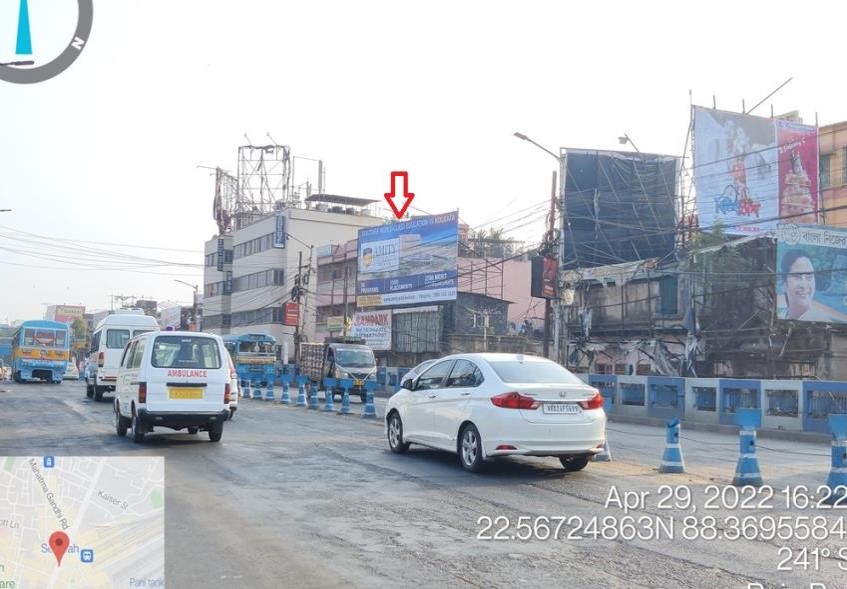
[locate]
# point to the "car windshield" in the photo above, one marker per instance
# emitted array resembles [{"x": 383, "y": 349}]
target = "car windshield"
[
  {"x": 171, "y": 351},
  {"x": 513, "y": 371},
  {"x": 354, "y": 358}
]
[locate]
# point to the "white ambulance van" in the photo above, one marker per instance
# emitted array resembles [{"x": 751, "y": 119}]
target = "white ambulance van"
[
  {"x": 174, "y": 379},
  {"x": 107, "y": 346}
]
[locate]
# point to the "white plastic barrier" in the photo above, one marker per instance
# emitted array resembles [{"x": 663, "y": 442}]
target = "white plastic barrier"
[
  {"x": 631, "y": 396},
  {"x": 782, "y": 404},
  {"x": 701, "y": 400}
]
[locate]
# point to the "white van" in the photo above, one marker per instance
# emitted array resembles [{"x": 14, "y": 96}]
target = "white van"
[
  {"x": 107, "y": 345},
  {"x": 173, "y": 379}
]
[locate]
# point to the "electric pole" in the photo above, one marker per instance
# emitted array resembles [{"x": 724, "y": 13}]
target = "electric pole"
[{"x": 549, "y": 241}]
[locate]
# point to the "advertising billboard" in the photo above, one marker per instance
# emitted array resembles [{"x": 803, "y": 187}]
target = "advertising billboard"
[
  {"x": 811, "y": 273},
  {"x": 750, "y": 171},
  {"x": 291, "y": 314},
  {"x": 409, "y": 263},
  {"x": 374, "y": 327},
  {"x": 543, "y": 283},
  {"x": 67, "y": 313}
]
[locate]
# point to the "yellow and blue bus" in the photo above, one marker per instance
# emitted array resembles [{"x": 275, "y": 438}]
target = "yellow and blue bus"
[
  {"x": 40, "y": 350},
  {"x": 254, "y": 355}
]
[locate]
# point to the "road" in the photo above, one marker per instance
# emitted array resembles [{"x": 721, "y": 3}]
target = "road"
[{"x": 297, "y": 498}]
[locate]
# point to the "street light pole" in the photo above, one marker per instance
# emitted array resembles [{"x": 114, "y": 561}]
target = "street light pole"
[
  {"x": 194, "y": 308},
  {"x": 557, "y": 306}
]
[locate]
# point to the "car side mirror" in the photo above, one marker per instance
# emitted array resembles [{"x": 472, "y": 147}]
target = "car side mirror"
[{"x": 408, "y": 384}]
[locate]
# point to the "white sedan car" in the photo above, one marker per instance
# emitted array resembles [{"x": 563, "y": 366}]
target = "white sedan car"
[{"x": 481, "y": 406}]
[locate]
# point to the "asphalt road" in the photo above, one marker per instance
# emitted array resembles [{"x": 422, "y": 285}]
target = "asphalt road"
[{"x": 297, "y": 498}]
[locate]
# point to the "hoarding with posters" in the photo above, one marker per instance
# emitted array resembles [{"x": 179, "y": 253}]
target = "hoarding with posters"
[
  {"x": 811, "y": 273},
  {"x": 409, "y": 263},
  {"x": 374, "y": 327},
  {"x": 68, "y": 313},
  {"x": 543, "y": 283},
  {"x": 291, "y": 314},
  {"x": 750, "y": 171}
]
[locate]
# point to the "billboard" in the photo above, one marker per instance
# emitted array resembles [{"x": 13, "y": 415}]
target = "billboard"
[
  {"x": 279, "y": 230},
  {"x": 543, "y": 283},
  {"x": 750, "y": 171},
  {"x": 409, "y": 263},
  {"x": 621, "y": 207},
  {"x": 811, "y": 273},
  {"x": 68, "y": 313},
  {"x": 291, "y": 314},
  {"x": 374, "y": 327}
]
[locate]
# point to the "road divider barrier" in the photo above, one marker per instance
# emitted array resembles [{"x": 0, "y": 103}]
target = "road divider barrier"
[
  {"x": 329, "y": 395},
  {"x": 605, "y": 455},
  {"x": 837, "y": 480},
  {"x": 285, "y": 399},
  {"x": 301, "y": 391},
  {"x": 270, "y": 394},
  {"x": 369, "y": 410},
  {"x": 672, "y": 461},
  {"x": 346, "y": 383},
  {"x": 313, "y": 396},
  {"x": 747, "y": 472}
]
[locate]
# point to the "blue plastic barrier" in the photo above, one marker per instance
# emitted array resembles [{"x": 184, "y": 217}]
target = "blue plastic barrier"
[
  {"x": 666, "y": 396},
  {"x": 837, "y": 480},
  {"x": 735, "y": 394},
  {"x": 672, "y": 461},
  {"x": 747, "y": 471}
]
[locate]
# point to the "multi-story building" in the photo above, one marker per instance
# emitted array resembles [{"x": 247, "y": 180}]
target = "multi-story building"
[
  {"x": 250, "y": 273},
  {"x": 833, "y": 173}
]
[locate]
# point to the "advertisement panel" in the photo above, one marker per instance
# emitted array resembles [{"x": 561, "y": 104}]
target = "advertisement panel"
[
  {"x": 67, "y": 313},
  {"x": 798, "y": 172},
  {"x": 291, "y": 314},
  {"x": 374, "y": 327},
  {"x": 335, "y": 323},
  {"x": 750, "y": 171},
  {"x": 543, "y": 284},
  {"x": 811, "y": 273},
  {"x": 279, "y": 230},
  {"x": 409, "y": 263}
]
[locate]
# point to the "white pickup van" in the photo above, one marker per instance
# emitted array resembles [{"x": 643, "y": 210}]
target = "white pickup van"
[
  {"x": 107, "y": 345},
  {"x": 173, "y": 379}
]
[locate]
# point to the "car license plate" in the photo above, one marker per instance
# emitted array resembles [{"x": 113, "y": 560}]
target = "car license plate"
[
  {"x": 566, "y": 408},
  {"x": 185, "y": 393},
  {"x": 358, "y": 382}
]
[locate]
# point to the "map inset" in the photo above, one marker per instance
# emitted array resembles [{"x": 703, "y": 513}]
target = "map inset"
[{"x": 82, "y": 522}]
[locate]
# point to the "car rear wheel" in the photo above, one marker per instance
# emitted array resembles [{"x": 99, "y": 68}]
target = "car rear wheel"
[
  {"x": 120, "y": 423},
  {"x": 395, "y": 435},
  {"x": 216, "y": 431},
  {"x": 573, "y": 463},
  {"x": 98, "y": 393},
  {"x": 89, "y": 390},
  {"x": 470, "y": 448},
  {"x": 137, "y": 429}
]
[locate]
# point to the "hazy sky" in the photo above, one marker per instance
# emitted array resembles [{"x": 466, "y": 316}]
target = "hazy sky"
[{"x": 107, "y": 152}]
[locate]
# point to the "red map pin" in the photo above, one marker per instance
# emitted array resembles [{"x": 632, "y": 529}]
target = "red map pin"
[{"x": 59, "y": 545}]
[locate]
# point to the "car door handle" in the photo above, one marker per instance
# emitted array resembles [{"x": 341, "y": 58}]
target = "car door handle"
[
  {"x": 465, "y": 394},
  {"x": 432, "y": 396}
]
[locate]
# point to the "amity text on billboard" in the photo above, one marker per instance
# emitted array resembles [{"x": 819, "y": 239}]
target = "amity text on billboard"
[
  {"x": 752, "y": 172},
  {"x": 409, "y": 263}
]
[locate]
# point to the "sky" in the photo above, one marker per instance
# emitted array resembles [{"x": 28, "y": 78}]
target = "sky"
[{"x": 102, "y": 165}]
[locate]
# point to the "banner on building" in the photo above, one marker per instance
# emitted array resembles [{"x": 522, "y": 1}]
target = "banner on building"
[
  {"x": 374, "y": 327},
  {"x": 750, "y": 172},
  {"x": 409, "y": 263},
  {"x": 543, "y": 283},
  {"x": 279, "y": 230},
  {"x": 291, "y": 314},
  {"x": 811, "y": 273},
  {"x": 220, "y": 254}
]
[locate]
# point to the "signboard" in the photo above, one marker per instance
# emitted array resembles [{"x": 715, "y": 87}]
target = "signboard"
[
  {"x": 750, "y": 171},
  {"x": 543, "y": 283},
  {"x": 374, "y": 327},
  {"x": 279, "y": 230},
  {"x": 291, "y": 314},
  {"x": 409, "y": 263},
  {"x": 220, "y": 254},
  {"x": 811, "y": 273},
  {"x": 68, "y": 313},
  {"x": 335, "y": 323}
]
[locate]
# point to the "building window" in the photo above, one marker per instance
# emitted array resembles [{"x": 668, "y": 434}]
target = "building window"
[
  {"x": 668, "y": 295},
  {"x": 602, "y": 369},
  {"x": 825, "y": 161},
  {"x": 844, "y": 166}
]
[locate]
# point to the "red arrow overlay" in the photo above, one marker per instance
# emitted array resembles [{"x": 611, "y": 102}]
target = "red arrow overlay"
[{"x": 389, "y": 196}]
